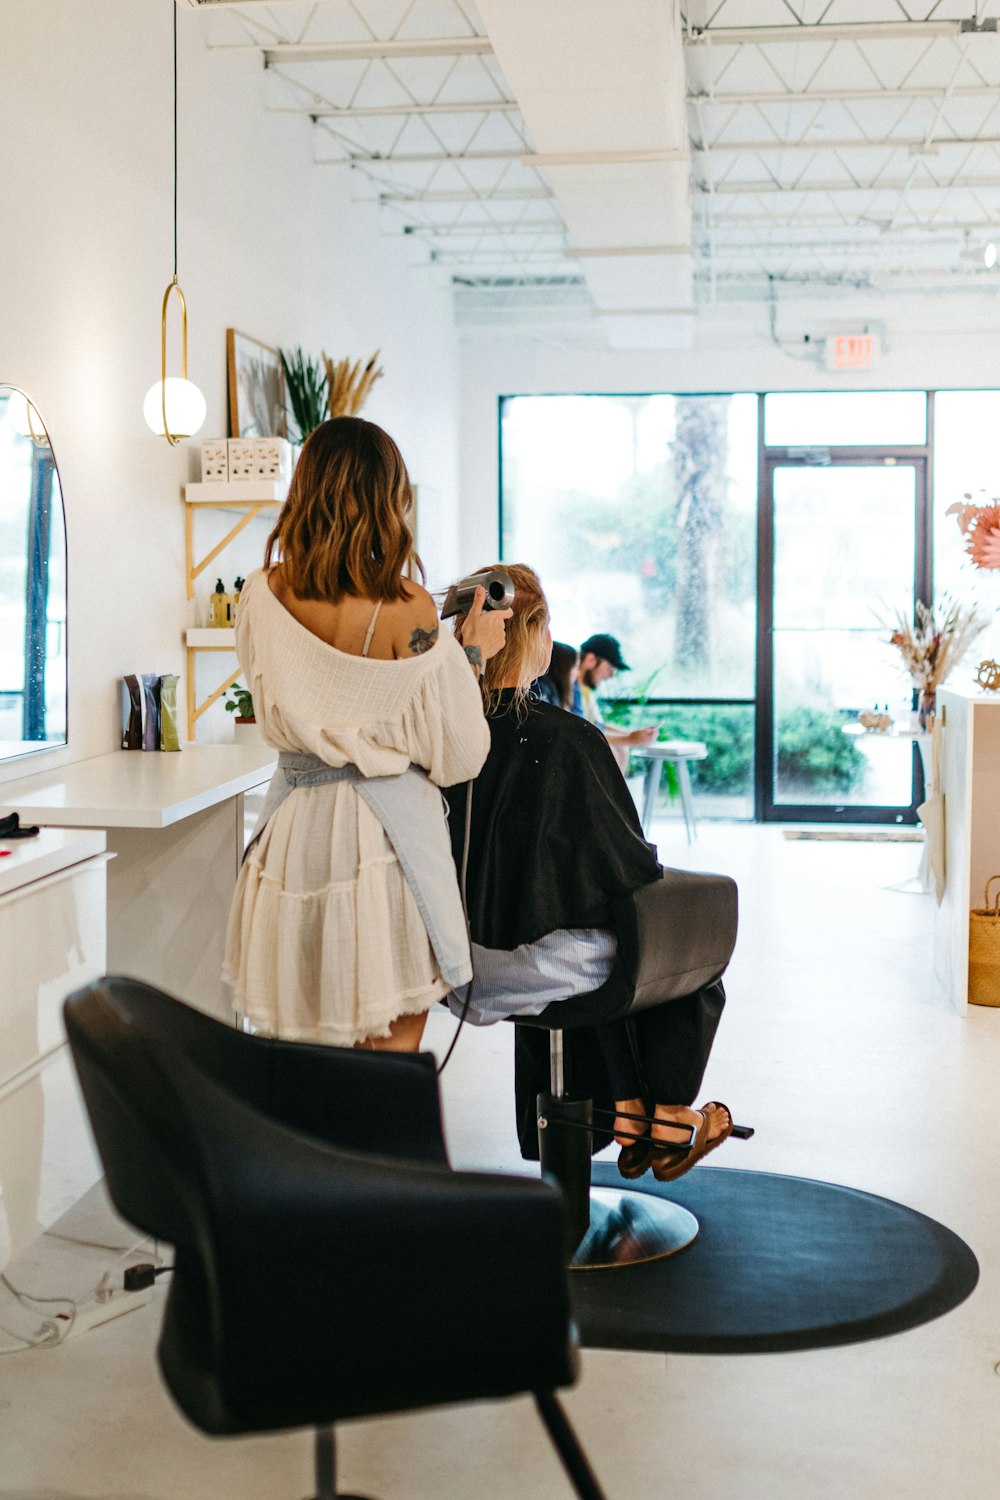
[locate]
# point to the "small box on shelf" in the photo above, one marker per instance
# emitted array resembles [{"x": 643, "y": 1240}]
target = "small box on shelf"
[
  {"x": 272, "y": 458},
  {"x": 241, "y": 458},
  {"x": 214, "y": 460}
]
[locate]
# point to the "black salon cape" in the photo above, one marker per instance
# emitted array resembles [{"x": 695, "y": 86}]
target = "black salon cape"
[{"x": 555, "y": 840}]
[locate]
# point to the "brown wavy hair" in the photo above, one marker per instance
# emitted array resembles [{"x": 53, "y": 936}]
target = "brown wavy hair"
[
  {"x": 344, "y": 528},
  {"x": 526, "y": 648}
]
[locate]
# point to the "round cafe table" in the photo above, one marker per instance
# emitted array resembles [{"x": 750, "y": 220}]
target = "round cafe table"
[{"x": 677, "y": 753}]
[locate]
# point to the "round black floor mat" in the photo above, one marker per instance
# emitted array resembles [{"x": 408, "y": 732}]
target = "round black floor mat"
[{"x": 780, "y": 1263}]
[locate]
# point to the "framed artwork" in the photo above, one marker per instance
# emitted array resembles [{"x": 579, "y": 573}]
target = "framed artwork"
[{"x": 256, "y": 388}]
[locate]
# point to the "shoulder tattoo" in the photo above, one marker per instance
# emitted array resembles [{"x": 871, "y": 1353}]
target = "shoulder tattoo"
[{"x": 422, "y": 640}]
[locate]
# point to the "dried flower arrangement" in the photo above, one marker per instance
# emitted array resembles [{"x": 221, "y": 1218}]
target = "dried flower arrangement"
[
  {"x": 980, "y": 525},
  {"x": 349, "y": 384},
  {"x": 936, "y": 640}
]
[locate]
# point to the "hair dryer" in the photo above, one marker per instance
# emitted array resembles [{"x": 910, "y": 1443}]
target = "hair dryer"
[{"x": 499, "y": 588}]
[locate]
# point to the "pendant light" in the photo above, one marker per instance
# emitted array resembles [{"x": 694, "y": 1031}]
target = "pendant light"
[
  {"x": 24, "y": 419},
  {"x": 174, "y": 407}
]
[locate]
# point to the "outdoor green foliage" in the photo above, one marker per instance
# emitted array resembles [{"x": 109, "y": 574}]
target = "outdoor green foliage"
[
  {"x": 636, "y": 535},
  {"x": 813, "y": 752},
  {"x": 239, "y": 702},
  {"x": 307, "y": 389}
]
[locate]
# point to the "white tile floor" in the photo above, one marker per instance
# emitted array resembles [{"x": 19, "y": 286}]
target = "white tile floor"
[{"x": 835, "y": 1047}]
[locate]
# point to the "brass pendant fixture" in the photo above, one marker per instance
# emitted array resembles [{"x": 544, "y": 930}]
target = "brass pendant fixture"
[{"x": 174, "y": 407}]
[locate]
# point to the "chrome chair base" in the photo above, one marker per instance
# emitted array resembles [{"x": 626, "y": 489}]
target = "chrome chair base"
[{"x": 628, "y": 1228}]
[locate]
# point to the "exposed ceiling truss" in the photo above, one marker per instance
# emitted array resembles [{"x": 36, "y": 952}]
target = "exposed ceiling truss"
[
  {"x": 835, "y": 150},
  {"x": 831, "y": 142}
]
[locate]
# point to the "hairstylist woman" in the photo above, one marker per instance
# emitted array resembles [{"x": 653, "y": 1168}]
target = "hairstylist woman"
[{"x": 346, "y": 923}]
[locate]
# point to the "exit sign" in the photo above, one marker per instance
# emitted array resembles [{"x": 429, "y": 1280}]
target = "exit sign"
[{"x": 851, "y": 351}]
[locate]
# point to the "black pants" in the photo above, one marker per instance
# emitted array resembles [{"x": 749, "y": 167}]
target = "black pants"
[
  {"x": 660, "y": 1055},
  {"x": 672, "y": 1047}
]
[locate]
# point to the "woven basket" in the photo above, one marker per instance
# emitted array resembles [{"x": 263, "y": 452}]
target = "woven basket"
[{"x": 984, "y": 950}]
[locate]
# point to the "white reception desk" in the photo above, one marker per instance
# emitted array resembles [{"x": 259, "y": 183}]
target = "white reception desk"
[{"x": 970, "y": 778}]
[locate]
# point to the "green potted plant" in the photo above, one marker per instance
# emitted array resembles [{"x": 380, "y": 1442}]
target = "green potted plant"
[
  {"x": 240, "y": 703},
  {"x": 308, "y": 389}
]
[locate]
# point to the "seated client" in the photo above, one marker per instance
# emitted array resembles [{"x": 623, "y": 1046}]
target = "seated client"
[{"x": 554, "y": 841}]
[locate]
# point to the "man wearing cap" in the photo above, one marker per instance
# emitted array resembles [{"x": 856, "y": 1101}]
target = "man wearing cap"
[{"x": 600, "y": 658}]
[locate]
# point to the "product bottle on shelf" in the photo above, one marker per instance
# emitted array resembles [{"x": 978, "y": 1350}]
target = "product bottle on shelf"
[
  {"x": 234, "y": 599},
  {"x": 219, "y": 604}
]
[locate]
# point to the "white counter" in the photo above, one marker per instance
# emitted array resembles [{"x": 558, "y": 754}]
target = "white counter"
[
  {"x": 138, "y": 789},
  {"x": 53, "y": 850},
  {"x": 174, "y": 821},
  {"x": 53, "y": 909}
]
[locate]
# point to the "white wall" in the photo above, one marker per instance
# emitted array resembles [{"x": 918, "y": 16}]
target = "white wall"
[
  {"x": 931, "y": 342},
  {"x": 269, "y": 244}
]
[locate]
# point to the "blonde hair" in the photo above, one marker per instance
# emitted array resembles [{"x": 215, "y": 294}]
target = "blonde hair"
[
  {"x": 526, "y": 649},
  {"x": 344, "y": 528}
]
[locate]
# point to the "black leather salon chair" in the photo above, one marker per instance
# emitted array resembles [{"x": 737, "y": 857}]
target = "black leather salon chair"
[
  {"x": 328, "y": 1262},
  {"x": 675, "y": 938}
]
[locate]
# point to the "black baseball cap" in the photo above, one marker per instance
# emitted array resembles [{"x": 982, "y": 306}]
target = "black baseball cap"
[{"x": 608, "y": 649}]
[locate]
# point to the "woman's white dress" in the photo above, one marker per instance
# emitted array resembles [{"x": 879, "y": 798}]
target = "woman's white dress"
[{"x": 325, "y": 940}]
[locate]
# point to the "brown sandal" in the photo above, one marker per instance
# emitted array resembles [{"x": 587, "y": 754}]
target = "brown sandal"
[{"x": 669, "y": 1165}]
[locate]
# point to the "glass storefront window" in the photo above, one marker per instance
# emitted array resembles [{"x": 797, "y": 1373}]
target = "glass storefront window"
[
  {"x": 639, "y": 513},
  {"x": 845, "y": 419}
]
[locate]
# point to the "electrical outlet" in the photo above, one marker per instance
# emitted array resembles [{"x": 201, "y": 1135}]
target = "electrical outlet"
[{"x": 92, "y": 1313}]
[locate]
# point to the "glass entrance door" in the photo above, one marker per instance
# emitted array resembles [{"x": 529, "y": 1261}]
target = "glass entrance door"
[{"x": 845, "y": 536}]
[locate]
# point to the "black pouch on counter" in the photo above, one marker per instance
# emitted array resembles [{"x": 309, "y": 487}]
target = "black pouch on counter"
[
  {"x": 130, "y": 691},
  {"x": 151, "y": 710}
]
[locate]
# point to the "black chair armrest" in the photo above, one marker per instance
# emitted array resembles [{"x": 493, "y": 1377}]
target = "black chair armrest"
[
  {"x": 676, "y": 935},
  {"x": 386, "y": 1103},
  {"x": 376, "y": 1103}
]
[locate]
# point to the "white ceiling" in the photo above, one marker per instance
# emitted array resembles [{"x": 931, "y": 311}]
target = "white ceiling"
[{"x": 649, "y": 156}]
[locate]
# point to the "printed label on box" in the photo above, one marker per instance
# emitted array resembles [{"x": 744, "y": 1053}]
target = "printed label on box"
[
  {"x": 271, "y": 457},
  {"x": 214, "y": 459},
  {"x": 241, "y": 458}
]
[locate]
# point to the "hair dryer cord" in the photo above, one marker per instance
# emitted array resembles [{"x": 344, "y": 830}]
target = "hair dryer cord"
[{"x": 465, "y": 909}]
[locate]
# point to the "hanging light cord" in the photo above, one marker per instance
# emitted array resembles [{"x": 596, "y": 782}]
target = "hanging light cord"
[{"x": 175, "y": 138}]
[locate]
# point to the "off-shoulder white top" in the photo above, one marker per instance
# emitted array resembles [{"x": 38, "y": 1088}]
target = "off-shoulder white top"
[{"x": 325, "y": 940}]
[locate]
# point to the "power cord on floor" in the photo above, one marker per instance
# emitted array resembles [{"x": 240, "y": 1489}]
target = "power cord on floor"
[
  {"x": 56, "y": 1329},
  {"x": 50, "y": 1333}
]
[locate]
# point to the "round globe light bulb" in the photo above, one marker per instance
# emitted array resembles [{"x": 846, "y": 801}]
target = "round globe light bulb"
[
  {"x": 186, "y": 408},
  {"x": 990, "y": 256},
  {"x": 23, "y": 417}
]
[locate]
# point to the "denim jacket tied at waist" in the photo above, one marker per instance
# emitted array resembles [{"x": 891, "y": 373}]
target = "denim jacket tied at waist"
[{"x": 412, "y": 811}]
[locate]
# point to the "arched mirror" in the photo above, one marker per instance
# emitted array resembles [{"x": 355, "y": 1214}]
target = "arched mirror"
[{"x": 32, "y": 583}]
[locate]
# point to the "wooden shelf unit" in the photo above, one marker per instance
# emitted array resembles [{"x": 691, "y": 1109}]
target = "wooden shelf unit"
[
  {"x": 195, "y": 642},
  {"x": 245, "y": 498}
]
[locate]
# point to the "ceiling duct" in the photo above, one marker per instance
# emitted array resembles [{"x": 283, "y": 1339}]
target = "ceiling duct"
[{"x": 602, "y": 91}]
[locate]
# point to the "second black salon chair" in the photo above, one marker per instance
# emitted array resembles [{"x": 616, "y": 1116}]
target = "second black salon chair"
[
  {"x": 675, "y": 938},
  {"x": 328, "y": 1262}
]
